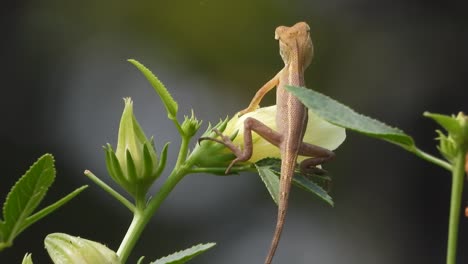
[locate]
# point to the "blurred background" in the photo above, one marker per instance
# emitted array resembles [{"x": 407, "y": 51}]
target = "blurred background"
[{"x": 64, "y": 74}]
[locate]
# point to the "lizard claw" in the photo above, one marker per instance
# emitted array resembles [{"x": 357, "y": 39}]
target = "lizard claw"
[
  {"x": 226, "y": 141},
  {"x": 230, "y": 165},
  {"x": 217, "y": 132}
]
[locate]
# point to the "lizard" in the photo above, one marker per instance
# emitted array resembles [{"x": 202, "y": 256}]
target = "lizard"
[{"x": 296, "y": 50}]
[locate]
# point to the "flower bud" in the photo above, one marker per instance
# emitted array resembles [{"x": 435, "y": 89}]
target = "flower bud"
[
  {"x": 27, "y": 259},
  {"x": 190, "y": 125},
  {"x": 447, "y": 146},
  {"x": 134, "y": 163},
  {"x": 456, "y": 140},
  {"x": 65, "y": 249},
  {"x": 318, "y": 132}
]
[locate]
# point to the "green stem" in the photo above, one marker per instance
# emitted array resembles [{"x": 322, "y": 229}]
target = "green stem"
[
  {"x": 430, "y": 158},
  {"x": 142, "y": 217},
  {"x": 458, "y": 177},
  {"x": 183, "y": 150},
  {"x": 109, "y": 190},
  {"x": 222, "y": 170}
]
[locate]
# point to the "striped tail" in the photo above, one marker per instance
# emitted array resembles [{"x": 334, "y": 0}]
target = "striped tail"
[{"x": 288, "y": 164}]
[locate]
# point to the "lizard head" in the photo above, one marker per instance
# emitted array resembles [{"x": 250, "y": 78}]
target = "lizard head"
[{"x": 295, "y": 44}]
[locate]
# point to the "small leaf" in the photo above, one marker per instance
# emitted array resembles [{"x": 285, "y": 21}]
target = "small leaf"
[
  {"x": 341, "y": 115},
  {"x": 184, "y": 255},
  {"x": 312, "y": 187},
  {"x": 270, "y": 172},
  {"x": 169, "y": 102},
  {"x": 271, "y": 181},
  {"x": 26, "y": 195},
  {"x": 24, "y": 198}
]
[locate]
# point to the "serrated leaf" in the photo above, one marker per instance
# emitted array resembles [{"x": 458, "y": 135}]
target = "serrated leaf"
[
  {"x": 343, "y": 116},
  {"x": 310, "y": 186},
  {"x": 269, "y": 170},
  {"x": 271, "y": 181},
  {"x": 184, "y": 255},
  {"x": 26, "y": 195},
  {"x": 169, "y": 102}
]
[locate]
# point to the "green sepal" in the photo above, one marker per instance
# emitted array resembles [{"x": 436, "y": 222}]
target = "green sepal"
[
  {"x": 113, "y": 166},
  {"x": 148, "y": 163},
  {"x": 191, "y": 125},
  {"x": 457, "y": 127},
  {"x": 27, "y": 259},
  {"x": 131, "y": 169},
  {"x": 449, "y": 123},
  {"x": 162, "y": 160},
  {"x": 140, "y": 260},
  {"x": 447, "y": 146}
]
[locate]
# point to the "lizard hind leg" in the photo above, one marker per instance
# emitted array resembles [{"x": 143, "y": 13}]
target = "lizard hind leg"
[
  {"x": 244, "y": 154},
  {"x": 319, "y": 156}
]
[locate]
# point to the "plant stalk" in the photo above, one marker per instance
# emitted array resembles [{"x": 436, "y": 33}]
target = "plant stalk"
[
  {"x": 142, "y": 217},
  {"x": 458, "y": 177}
]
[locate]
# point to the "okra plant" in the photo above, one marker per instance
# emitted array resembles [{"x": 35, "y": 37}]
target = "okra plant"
[{"x": 134, "y": 164}]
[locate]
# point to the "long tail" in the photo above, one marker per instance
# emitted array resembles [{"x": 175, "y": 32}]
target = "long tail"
[{"x": 288, "y": 164}]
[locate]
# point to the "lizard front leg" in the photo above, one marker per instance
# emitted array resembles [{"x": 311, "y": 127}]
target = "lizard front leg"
[
  {"x": 245, "y": 153},
  {"x": 254, "y": 104}
]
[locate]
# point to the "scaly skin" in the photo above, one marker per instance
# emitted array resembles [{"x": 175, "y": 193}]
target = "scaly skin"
[{"x": 296, "y": 50}]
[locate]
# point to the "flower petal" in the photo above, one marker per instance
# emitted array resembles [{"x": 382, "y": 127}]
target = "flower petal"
[{"x": 319, "y": 132}]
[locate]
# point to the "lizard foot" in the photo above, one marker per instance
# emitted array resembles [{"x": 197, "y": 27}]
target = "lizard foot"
[
  {"x": 227, "y": 142},
  {"x": 313, "y": 170}
]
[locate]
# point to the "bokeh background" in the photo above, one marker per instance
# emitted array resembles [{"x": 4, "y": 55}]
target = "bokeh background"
[{"x": 64, "y": 74}]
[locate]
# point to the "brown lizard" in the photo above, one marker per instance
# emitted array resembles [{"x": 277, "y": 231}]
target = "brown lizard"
[{"x": 296, "y": 50}]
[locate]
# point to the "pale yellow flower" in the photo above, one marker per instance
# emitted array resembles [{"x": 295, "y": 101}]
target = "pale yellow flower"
[{"x": 319, "y": 132}]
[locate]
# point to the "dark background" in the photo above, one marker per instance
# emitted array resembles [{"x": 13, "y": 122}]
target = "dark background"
[{"x": 64, "y": 71}]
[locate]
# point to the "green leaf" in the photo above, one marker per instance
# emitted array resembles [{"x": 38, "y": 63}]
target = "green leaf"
[
  {"x": 343, "y": 116},
  {"x": 269, "y": 170},
  {"x": 184, "y": 255},
  {"x": 271, "y": 181},
  {"x": 169, "y": 102},
  {"x": 310, "y": 186},
  {"x": 26, "y": 195}
]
